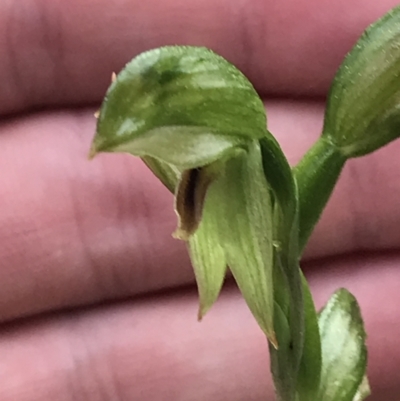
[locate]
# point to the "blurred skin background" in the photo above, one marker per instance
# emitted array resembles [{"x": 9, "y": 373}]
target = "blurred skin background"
[{"x": 97, "y": 301}]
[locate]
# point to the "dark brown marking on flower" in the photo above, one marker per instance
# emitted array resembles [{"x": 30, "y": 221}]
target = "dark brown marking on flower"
[{"x": 190, "y": 198}]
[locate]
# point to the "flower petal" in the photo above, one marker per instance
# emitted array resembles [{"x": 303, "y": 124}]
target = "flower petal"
[
  {"x": 207, "y": 255},
  {"x": 194, "y": 98},
  {"x": 244, "y": 213}
]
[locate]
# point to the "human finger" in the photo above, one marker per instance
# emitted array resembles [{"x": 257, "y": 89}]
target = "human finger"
[
  {"x": 154, "y": 349},
  {"x": 63, "y": 53}
]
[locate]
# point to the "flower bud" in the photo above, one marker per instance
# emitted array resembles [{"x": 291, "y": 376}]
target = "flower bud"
[{"x": 363, "y": 109}]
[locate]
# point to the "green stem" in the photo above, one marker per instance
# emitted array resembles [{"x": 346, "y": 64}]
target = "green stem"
[{"x": 316, "y": 176}]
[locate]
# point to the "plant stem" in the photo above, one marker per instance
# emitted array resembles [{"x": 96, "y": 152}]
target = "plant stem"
[{"x": 316, "y": 175}]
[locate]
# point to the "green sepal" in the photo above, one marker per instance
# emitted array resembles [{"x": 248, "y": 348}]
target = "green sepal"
[
  {"x": 207, "y": 255},
  {"x": 168, "y": 174},
  {"x": 183, "y": 147},
  {"x": 179, "y": 91},
  {"x": 244, "y": 213},
  {"x": 363, "y": 111},
  {"x": 344, "y": 353}
]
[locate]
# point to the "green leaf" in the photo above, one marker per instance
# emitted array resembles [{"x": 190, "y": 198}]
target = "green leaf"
[
  {"x": 244, "y": 209},
  {"x": 344, "y": 354},
  {"x": 184, "y": 105},
  {"x": 283, "y": 368},
  {"x": 363, "y": 111},
  {"x": 310, "y": 367}
]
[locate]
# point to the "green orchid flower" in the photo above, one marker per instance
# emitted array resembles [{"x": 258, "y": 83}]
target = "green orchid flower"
[
  {"x": 166, "y": 107},
  {"x": 200, "y": 126}
]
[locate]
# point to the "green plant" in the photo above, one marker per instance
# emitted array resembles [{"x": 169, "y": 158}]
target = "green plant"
[{"x": 199, "y": 125}]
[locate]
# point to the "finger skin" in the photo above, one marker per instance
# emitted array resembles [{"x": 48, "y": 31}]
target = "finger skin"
[
  {"x": 154, "y": 349},
  {"x": 56, "y": 52},
  {"x": 75, "y": 231},
  {"x": 149, "y": 350}
]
